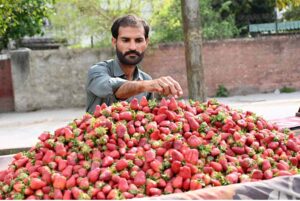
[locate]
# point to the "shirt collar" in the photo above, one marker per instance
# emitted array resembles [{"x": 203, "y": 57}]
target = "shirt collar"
[{"x": 118, "y": 72}]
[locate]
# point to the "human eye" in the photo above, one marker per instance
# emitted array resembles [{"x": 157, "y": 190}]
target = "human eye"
[{"x": 139, "y": 40}]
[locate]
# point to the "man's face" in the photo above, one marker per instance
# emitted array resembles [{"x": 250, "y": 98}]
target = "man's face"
[{"x": 130, "y": 45}]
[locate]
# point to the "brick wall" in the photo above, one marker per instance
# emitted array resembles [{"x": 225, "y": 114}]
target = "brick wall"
[
  {"x": 243, "y": 66},
  {"x": 6, "y": 87}
]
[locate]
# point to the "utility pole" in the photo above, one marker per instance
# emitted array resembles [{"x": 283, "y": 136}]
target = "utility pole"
[{"x": 193, "y": 49}]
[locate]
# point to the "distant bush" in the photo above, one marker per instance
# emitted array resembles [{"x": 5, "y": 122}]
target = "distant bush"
[
  {"x": 222, "y": 91},
  {"x": 287, "y": 89}
]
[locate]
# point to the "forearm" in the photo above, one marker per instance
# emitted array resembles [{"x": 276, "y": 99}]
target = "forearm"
[{"x": 129, "y": 89}]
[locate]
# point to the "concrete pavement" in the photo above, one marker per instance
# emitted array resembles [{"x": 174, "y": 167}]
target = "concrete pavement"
[{"x": 19, "y": 130}]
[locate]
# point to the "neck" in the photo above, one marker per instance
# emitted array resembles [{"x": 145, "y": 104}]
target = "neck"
[{"x": 128, "y": 70}]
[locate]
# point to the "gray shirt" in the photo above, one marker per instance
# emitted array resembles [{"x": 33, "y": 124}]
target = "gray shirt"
[{"x": 104, "y": 78}]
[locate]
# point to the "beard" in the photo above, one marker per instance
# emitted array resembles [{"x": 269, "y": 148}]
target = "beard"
[{"x": 129, "y": 60}]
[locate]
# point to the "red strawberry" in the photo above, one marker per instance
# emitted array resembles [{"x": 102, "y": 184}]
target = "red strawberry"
[
  {"x": 177, "y": 182},
  {"x": 232, "y": 178},
  {"x": 193, "y": 123},
  {"x": 176, "y": 155},
  {"x": 175, "y": 166},
  {"x": 150, "y": 155},
  {"x": 134, "y": 104},
  {"x": 67, "y": 172},
  {"x": 194, "y": 141},
  {"x": 155, "y": 192},
  {"x": 195, "y": 184},
  {"x": 62, "y": 164},
  {"x": 140, "y": 178},
  {"x": 67, "y": 195},
  {"x": 59, "y": 181},
  {"x": 156, "y": 165},
  {"x": 76, "y": 192},
  {"x": 185, "y": 172},
  {"x": 121, "y": 164},
  {"x": 60, "y": 149},
  {"x": 173, "y": 104},
  {"x": 71, "y": 182},
  {"x": 93, "y": 175},
  {"x": 144, "y": 101},
  {"x": 268, "y": 174},
  {"x": 191, "y": 156},
  {"x": 257, "y": 174},
  {"x": 123, "y": 185},
  {"x": 160, "y": 117},
  {"x": 126, "y": 115},
  {"x": 36, "y": 183},
  {"x": 107, "y": 161},
  {"x": 216, "y": 166},
  {"x": 105, "y": 175}
]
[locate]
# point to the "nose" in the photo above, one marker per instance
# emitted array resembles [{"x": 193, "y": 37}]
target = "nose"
[{"x": 132, "y": 45}]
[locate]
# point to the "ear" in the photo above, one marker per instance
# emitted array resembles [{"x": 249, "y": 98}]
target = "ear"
[
  {"x": 113, "y": 41},
  {"x": 147, "y": 41}
]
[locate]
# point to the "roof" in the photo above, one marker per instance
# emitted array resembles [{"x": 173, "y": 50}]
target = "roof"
[{"x": 271, "y": 27}]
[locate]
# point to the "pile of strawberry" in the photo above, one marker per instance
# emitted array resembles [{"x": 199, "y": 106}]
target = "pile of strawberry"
[{"x": 146, "y": 148}]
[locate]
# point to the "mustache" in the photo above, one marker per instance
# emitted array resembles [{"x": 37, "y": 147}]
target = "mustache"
[{"x": 132, "y": 52}]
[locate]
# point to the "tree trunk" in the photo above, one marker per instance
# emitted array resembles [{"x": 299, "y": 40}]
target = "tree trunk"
[{"x": 193, "y": 49}]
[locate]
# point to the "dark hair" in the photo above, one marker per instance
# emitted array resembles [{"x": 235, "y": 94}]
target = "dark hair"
[{"x": 129, "y": 21}]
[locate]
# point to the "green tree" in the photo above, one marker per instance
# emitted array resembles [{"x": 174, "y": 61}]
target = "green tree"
[
  {"x": 246, "y": 12},
  {"x": 76, "y": 19},
  {"x": 293, "y": 13},
  {"x": 21, "y": 18},
  {"x": 167, "y": 23}
]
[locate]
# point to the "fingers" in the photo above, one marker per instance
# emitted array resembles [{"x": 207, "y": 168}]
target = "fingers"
[
  {"x": 177, "y": 88},
  {"x": 170, "y": 87}
]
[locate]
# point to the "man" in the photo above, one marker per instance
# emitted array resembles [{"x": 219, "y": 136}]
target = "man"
[{"x": 121, "y": 79}]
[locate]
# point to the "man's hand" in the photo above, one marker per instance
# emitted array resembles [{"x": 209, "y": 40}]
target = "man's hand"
[{"x": 166, "y": 86}]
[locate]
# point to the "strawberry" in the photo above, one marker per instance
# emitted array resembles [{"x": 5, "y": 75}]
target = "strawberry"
[
  {"x": 59, "y": 181},
  {"x": 177, "y": 182},
  {"x": 193, "y": 123},
  {"x": 76, "y": 192},
  {"x": 107, "y": 161},
  {"x": 155, "y": 192},
  {"x": 156, "y": 165},
  {"x": 195, "y": 184},
  {"x": 185, "y": 172},
  {"x": 144, "y": 101},
  {"x": 172, "y": 104},
  {"x": 160, "y": 117},
  {"x": 121, "y": 164},
  {"x": 105, "y": 175},
  {"x": 126, "y": 115},
  {"x": 257, "y": 174},
  {"x": 150, "y": 155},
  {"x": 114, "y": 194},
  {"x": 216, "y": 166},
  {"x": 232, "y": 178},
  {"x": 36, "y": 183},
  {"x": 60, "y": 149},
  {"x": 194, "y": 141},
  {"x": 71, "y": 182},
  {"x": 191, "y": 156},
  {"x": 93, "y": 175},
  {"x": 67, "y": 172},
  {"x": 123, "y": 185},
  {"x": 134, "y": 104},
  {"x": 268, "y": 174},
  {"x": 176, "y": 155},
  {"x": 140, "y": 178}
]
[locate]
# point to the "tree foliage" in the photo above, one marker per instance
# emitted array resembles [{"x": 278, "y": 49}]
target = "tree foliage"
[
  {"x": 167, "y": 22},
  {"x": 76, "y": 19},
  {"x": 281, "y": 4},
  {"x": 21, "y": 18}
]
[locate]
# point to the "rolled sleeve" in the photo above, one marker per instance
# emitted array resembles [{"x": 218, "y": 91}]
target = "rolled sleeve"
[{"x": 101, "y": 83}]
